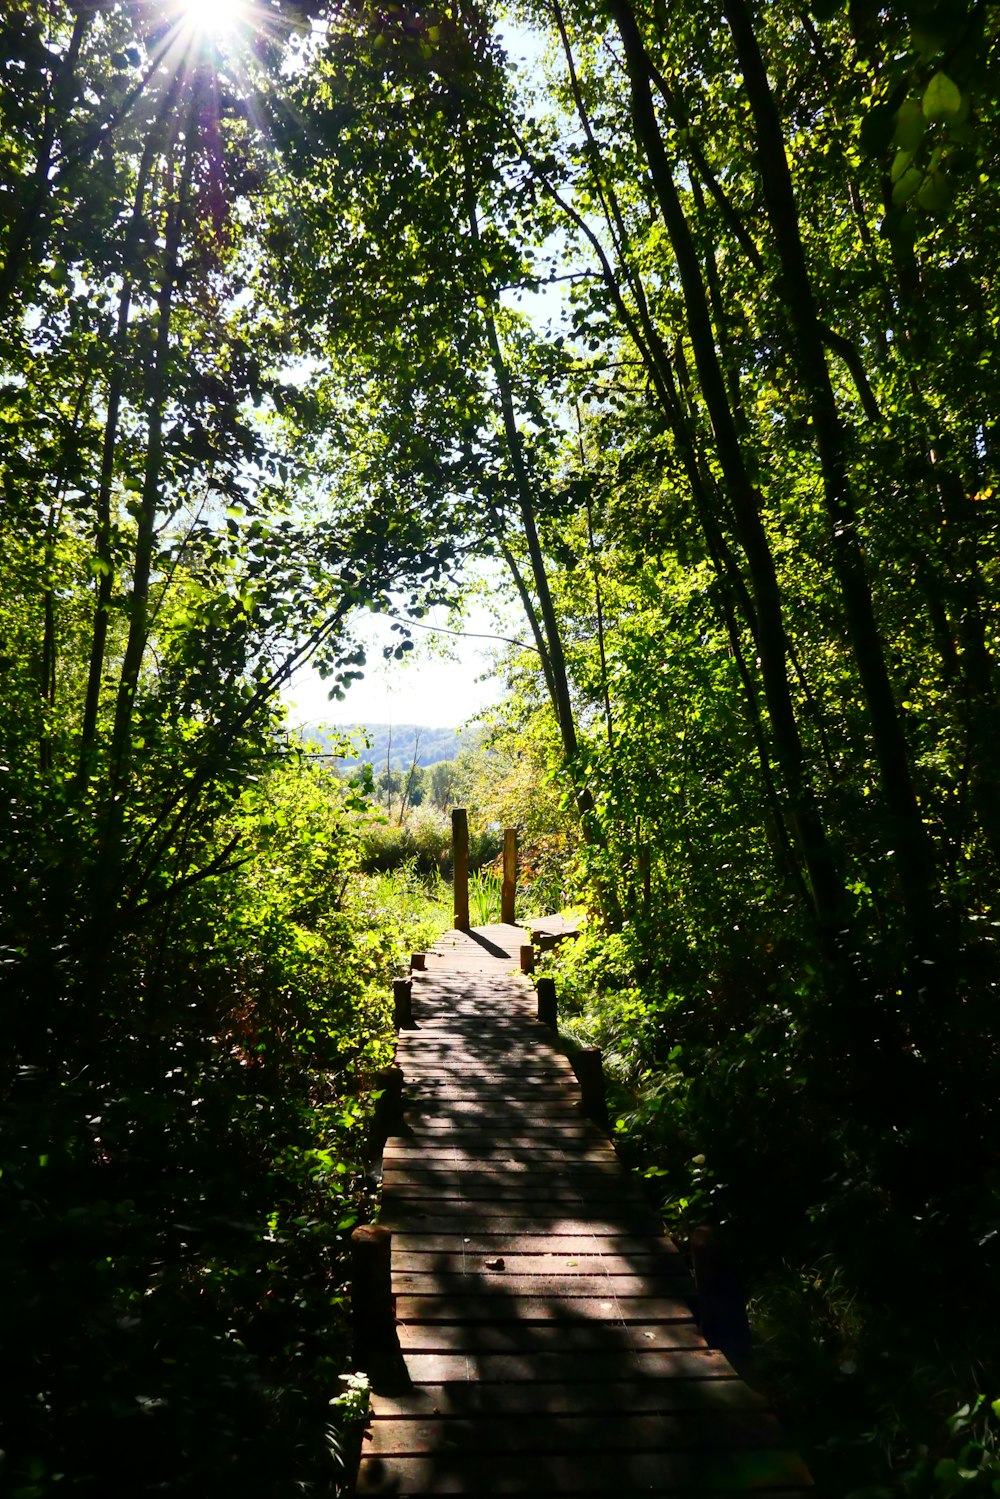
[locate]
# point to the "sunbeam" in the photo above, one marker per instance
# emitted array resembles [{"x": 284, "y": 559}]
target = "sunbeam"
[{"x": 216, "y": 18}]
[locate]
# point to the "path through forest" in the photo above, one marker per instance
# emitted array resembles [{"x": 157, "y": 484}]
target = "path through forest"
[{"x": 548, "y": 1342}]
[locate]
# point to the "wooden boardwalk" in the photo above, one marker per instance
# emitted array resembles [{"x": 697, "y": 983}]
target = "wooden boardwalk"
[{"x": 548, "y": 1343}]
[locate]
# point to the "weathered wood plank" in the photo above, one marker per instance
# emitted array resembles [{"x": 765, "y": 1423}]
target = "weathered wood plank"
[
  {"x": 493, "y": 1241},
  {"x": 530, "y": 1432},
  {"x": 504, "y": 1306},
  {"x": 746, "y": 1471},
  {"x": 458, "y": 1268},
  {"x": 589, "y": 1175},
  {"x": 541, "y": 1339},
  {"x": 445, "y": 1188},
  {"x": 568, "y": 1367},
  {"x": 665, "y": 1396},
  {"x": 404, "y": 1216},
  {"x": 511, "y": 1284},
  {"x": 714, "y": 1396}
]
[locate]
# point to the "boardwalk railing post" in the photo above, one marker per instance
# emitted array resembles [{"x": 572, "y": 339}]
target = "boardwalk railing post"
[
  {"x": 508, "y": 890},
  {"x": 460, "y": 866},
  {"x": 722, "y": 1307},
  {"x": 528, "y": 959},
  {"x": 388, "y": 1116},
  {"x": 372, "y": 1309},
  {"x": 588, "y": 1064},
  {"x": 418, "y": 961},
  {"x": 402, "y": 1004},
  {"x": 547, "y": 1011}
]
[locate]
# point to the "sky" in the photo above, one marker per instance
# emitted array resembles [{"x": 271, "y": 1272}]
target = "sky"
[{"x": 442, "y": 683}]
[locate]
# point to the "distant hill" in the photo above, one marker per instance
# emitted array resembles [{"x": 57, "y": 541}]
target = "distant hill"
[{"x": 397, "y": 740}]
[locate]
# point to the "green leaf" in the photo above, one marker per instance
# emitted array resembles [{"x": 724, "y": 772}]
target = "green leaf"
[
  {"x": 911, "y": 122},
  {"x": 941, "y": 97},
  {"x": 935, "y": 193},
  {"x": 901, "y": 161},
  {"x": 907, "y": 185}
]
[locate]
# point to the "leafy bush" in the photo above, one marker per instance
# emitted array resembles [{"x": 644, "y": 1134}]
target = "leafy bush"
[{"x": 181, "y": 1170}]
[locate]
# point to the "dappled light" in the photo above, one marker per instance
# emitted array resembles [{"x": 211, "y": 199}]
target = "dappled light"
[{"x": 646, "y": 355}]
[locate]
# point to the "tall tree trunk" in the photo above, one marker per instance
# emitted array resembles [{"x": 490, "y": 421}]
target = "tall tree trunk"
[
  {"x": 824, "y": 880},
  {"x": 913, "y": 853},
  {"x": 558, "y": 677},
  {"x": 657, "y": 361},
  {"x": 138, "y": 608},
  {"x": 49, "y": 655},
  {"x": 102, "y": 535}
]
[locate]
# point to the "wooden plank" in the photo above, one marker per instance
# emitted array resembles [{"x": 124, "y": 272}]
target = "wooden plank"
[
  {"x": 711, "y": 1429},
  {"x": 542, "y": 1339},
  {"x": 498, "y": 1112},
  {"x": 508, "y": 1283},
  {"x": 714, "y": 1396},
  {"x": 474, "y": 1132},
  {"x": 745, "y": 1471},
  {"x": 502, "y": 1305},
  {"x": 474, "y": 1224},
  {"x": 523, "y": 1188},
  {"x": 518, "y": 1242},
  {"x": 616, "y": 1217},
  {"x": 525, "y": 1144},
  {"x": 443, "y": 1367},
  {"x": 457, "y": 1266},
  {"x": 499, "y": 1157}
]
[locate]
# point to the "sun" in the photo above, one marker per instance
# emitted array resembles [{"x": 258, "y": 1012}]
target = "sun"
[{"x": 217, "y": 18}]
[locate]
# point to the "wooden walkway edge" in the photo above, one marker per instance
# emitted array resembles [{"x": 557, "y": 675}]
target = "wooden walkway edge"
[{"x": 547, "y": 1343}]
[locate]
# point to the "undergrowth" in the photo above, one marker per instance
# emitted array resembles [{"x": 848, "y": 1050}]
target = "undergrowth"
[
  {"x": 868, "y": 1254},
  {"x": 184, "y": 1156}
]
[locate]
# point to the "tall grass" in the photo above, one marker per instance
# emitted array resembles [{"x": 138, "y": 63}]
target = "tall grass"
[
  {"x": 484, "y": 897},
  {"x": 424, "y": 839}
]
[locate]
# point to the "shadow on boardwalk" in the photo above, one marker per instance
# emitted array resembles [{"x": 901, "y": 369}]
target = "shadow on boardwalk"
[{"x": 543, "y": 1317}]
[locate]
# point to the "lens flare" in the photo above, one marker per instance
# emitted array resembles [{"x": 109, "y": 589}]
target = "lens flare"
[{"x": 218, "y": 18}]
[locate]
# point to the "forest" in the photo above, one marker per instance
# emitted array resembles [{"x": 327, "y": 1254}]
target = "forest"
[{"x": 680, "y": 317}]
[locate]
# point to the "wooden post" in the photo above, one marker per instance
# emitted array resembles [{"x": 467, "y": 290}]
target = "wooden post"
[
  {"x": 722, "y": 1307},
  {"x": 508, "y": 890},
  {"x": 460, "y": 866},
  {"x": 373, "y": 1309},
  {"x": 528, "y": 959},
  {"x": 588, "y": 1065},
  {"x": 418, "y": 961},
  {"x": 388, "y": 1116},
  {"x": 402, "y": 1004},
  {"x": 547, "y": 1011}
]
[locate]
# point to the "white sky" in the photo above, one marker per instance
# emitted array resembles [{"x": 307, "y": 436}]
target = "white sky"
[{"x": 441, "y": 683}]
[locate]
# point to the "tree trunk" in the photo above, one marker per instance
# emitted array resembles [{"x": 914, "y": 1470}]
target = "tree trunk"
[
  {"x": 135, "y": 645},
  {"x": 825, "y": 884},
  {"x": 102, "y": 535},
  {"x": 913, "y": 853}
]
